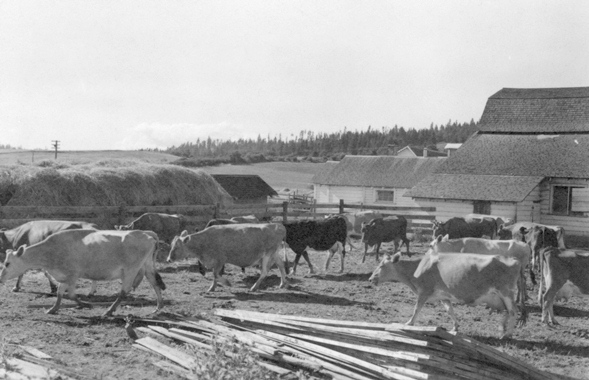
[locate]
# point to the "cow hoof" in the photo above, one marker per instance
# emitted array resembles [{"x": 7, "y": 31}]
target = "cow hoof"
[
  {"x": 15, "y": 289},
  {"x": 51, "y": 311}
]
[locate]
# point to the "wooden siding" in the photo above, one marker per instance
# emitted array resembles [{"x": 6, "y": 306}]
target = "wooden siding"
[
  {"x": 363, "y": 195},
  {"x": 573, "y": 225}
]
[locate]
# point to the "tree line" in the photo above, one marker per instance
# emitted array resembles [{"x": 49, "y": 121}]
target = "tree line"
[{"x": 311, "y": 145}]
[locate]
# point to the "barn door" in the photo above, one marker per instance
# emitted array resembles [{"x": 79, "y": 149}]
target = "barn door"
[{"x": 482, "y": 207}]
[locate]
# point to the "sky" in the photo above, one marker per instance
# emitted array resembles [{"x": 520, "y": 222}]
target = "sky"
[{"x": 127, "y": 75}]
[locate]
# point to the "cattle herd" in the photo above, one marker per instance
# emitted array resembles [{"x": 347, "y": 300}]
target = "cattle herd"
[{"x": 475, "y": 259}]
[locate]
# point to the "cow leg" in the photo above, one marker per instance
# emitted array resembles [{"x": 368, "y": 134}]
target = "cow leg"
[
  {"x": 115, "y": 304},
  {"x": 406, "y": 241},
  {"x": 282, "y": 269},
  {"x": 378, "y": 250},
  {"x": 127, "y": 281},
  {"x": 157, "y": 286},
  {"x": 60, "y": 291},
  {"x": 552, "y": 287},
  {"x": 450, "y": 310},
  {"x": 293, "y": 270},
  {"x": 342, "y": 252},
  {"x": 296, "y": 262},
  {"x": 418, "y": 306},
  {"x": 52, "y": 284},
  {"x": 16, "y": 288},
  {"x": 217, "y": 277},
  {"x": 509, "y": 319},
  {"x": 267, "y": 261},
  {"x": 331, "y": 251},
  {"x": 365, "y": 251}
]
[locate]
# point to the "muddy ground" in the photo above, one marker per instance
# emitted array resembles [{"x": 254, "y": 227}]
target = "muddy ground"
[{"x": 100, "y": 349}]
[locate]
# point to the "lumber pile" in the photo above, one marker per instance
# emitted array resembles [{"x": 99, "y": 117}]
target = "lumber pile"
[
  {"x": 327, "y": 349},
  {"x": 34, "y": 364}
]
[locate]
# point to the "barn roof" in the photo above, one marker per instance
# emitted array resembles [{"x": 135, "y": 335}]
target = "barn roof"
[
  {"x": 496, "y": 188},
  {"x": 378, "y": 171},
  {"x": 539, "y": 110},
  {"x": 244, "y": 186},
  {"x": 521, "y": 155},
  {"x": 418, "y": 151}
]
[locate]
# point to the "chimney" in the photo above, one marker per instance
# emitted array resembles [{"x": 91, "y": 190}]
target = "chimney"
[
  {"x": 393, "y": 149},
  {"x": 424, "y": 152}
]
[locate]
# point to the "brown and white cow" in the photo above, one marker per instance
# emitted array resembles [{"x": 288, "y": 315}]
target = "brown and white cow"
[
  {"x": 34, "y": 232},
  {"x": 166, "y": 226},
  {"x": 468, "y": 278},
  {"x": 459, "y": 227},
  {"x": 514, "y": 231},
  {"x": 242, "y": 245},
  {"x": 563, "y": 266},
  {"x": 499, "y": 220},
  {"x": 380, "y": 230},
  {"x": 507, "y": 248},
  {"x": 95, "y": 255}
]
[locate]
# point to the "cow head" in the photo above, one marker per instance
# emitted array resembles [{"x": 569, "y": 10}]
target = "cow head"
[
  {"x": 504, "y": 233},
  {"x": 14, "y": 265},
  {"x": 385, "y": 271},
  {"x": 436, "y": 229},
  {"x": 177, "y": 249}
]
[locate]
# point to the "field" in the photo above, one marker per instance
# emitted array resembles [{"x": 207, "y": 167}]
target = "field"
[{"x": 99, "y": 348}]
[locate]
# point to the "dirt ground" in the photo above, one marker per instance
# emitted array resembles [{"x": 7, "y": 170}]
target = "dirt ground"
[{"x": 100, "y": 349}]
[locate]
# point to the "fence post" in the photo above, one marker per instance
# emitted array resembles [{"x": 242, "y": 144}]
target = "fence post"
[
  {"x": 341, "y": 206},
  {"x": 284, "y": 211}
]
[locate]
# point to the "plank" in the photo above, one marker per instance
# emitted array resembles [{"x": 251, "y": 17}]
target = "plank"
[
  {"x": 35, "y": 352},
  {"x": 172, "y": 354}
]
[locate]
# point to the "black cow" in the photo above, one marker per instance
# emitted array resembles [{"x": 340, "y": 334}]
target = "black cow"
[
  {"x": 459, "y": 227},
  {"x": 382, "y": 230},
  {"x": 320, "y": 235},
  {"x": 34, "y": 232}
]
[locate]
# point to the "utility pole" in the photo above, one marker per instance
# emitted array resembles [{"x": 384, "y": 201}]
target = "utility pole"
[{"x": 56, "y": 146}]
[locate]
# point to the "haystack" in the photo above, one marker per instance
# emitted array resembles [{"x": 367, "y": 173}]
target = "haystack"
[{"x": 108, "y": 183}]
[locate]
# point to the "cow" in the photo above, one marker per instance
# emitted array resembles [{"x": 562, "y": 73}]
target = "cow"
[
  {"x": 34, "y": 232},
  {"x": 508, "y": 248},
  {"x": 514, "y": 231},
  {"x": 562, "y": 266},
  {"x": 354, "y": 220},
  {"x": 459, "y": 227},
  {"x": 464, "y": 277},
  {"x": 319, "y": 235},
  {"x": 220, "y": 222},
  {"x": 91, "y": 254},
  {"x": 164, "y": 225},
  {"x": 246, "y": 219},
  {"x": 499, "y": 220},
  {"x": 379, "y": 230},
  {"x": 242, "y": 245}
]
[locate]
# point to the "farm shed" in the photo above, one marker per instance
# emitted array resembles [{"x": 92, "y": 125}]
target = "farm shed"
[
  {"x": 528, "y": 161},
  {"x": 245, "y": 188},
  {"x": 372, "y": 179},
  {"x": 415, "y": 151}
]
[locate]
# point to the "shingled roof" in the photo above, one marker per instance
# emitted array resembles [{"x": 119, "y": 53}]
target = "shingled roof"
[
  {"x": 480, "y": 187},
  {"x": 244, "y": 186},
  {"x": 525, "y": 136},
  {"x": 378, "y": 171},
  {"x": 541, "y": 110}
]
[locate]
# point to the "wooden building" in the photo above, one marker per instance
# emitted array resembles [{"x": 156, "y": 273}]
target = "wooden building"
[
  {"x": 245, "y": 188},
  {"x": 528, "y": 161},
  {"x": 372, "y": 179}
]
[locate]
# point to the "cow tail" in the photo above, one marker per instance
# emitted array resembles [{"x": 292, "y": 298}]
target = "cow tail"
[{"x": 159, "y": 281}]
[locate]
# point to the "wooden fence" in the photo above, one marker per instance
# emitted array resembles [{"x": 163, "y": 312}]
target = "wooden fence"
[{"x": 419, "y": 218}]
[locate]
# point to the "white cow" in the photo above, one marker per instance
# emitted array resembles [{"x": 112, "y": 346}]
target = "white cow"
[
  {"x": 242, "y": 245},
  {"x": 460, "y": 277},
  {"x": 95, "y": 255}
]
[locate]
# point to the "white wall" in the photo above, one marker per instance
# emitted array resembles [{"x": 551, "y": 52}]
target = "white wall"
[{"x": 573, "y": 225}]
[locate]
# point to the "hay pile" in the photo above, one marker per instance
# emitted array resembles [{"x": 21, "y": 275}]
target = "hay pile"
[{"x": 107, "y": 183}]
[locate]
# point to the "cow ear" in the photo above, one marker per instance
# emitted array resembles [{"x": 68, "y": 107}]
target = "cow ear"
[
  {"x": 21, "y": 250},
  {"x": 444, "y": 238},
  {"x": 396, "y": 257}
]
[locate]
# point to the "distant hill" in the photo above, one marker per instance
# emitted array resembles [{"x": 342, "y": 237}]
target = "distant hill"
[{"x": 12, "y": 157}]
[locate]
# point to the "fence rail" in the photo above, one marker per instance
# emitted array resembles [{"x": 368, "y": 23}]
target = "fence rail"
[{"x": 197, "y": 215}]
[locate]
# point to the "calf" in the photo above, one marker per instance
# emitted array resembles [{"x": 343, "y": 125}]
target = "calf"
[
  {"x": 377, "y": 231},
  {"x": 562, "y": 265},
  {"x": 164, "y": 225},
  {"x": 355, "y": 220},
  {"x": 34, "y": 232},
  {"x": 242, "y": 245},
  {"x": 468, "y": 278},
  {"x": 320, "y": 235},
  {"x": 507, "y": 248},
  {"x": 458, "y": 227},
  {"x": 94, "y": 255}
]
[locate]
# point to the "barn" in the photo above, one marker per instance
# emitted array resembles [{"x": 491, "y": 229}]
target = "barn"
[
  {"x": 372, "y": 179},
  {"x": 245, "y": 188},
  {"x": 529, "y": 161}
]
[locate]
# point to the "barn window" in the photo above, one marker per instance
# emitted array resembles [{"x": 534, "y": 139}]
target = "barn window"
[
  {"x": 385, "y": 196},
  {"x": 482, "y": 207},
  {"x": 570, "y": 200}
]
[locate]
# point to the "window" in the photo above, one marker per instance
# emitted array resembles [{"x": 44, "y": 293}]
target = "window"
[
  {"x": 569, "y": 200},
  {"x": 482, "y": 207},
  {"x": 385, "y": 196}
]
